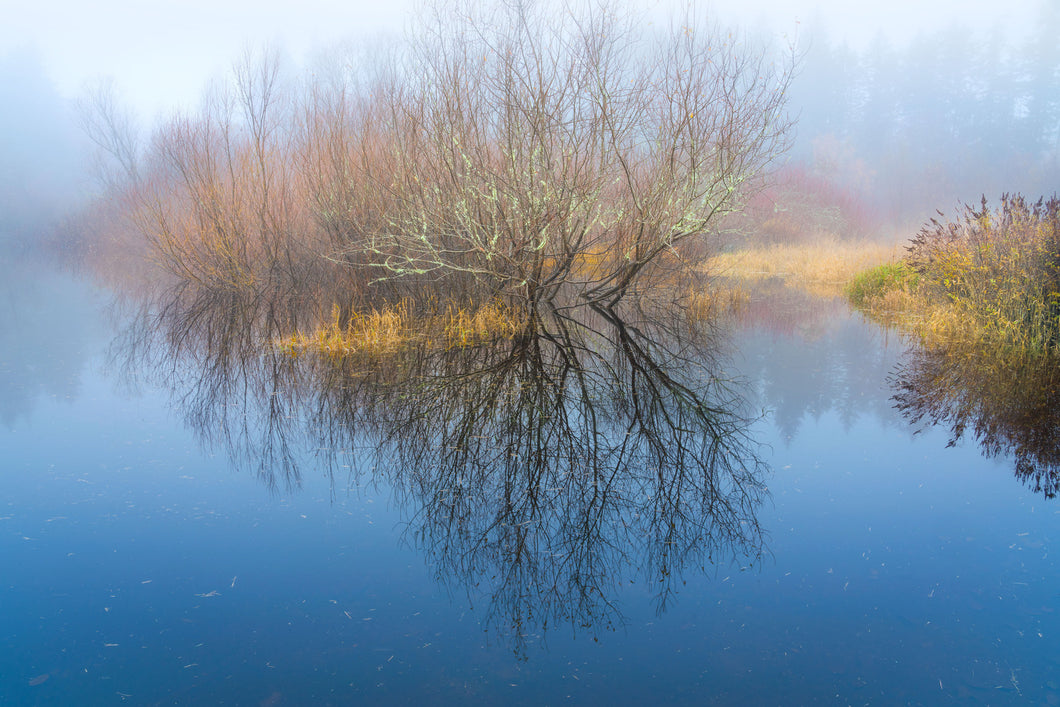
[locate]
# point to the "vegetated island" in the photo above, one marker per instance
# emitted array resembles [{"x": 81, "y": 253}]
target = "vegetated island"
[{"x": 500, "y": 164}]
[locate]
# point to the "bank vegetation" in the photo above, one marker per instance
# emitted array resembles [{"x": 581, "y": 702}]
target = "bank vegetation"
[{"x": 990, "y": 276}]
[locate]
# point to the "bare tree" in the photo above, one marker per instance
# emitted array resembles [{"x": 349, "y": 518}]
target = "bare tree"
[
  {"x": 534, "y": 155},
  {"x": 112, "y": 128},
  {"x": 223, "y": 203}
]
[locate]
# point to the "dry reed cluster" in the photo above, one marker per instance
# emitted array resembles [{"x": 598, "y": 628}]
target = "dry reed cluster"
[{"x": 991, "y": 276}]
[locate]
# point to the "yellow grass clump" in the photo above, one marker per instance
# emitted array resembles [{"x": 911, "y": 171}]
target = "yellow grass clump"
[
  {"x": 718, "y": 301},
  {"x": 486, "y": 324},
  {"x": 387, "y": 330}
]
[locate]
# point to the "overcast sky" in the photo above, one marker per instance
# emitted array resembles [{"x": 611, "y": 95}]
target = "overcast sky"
[{"x": 162, "y": 52}]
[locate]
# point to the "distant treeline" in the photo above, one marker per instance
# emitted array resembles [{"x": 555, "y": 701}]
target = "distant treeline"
[{"x": 953, "y": 115}]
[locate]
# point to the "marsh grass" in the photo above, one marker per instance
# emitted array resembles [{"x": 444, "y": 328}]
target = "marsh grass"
[
  {"x": 997, "y": 270},
  {"x": 888, "y": 291},
  {"x": 824, "y": 267},
  {"x": 381, "y": 332},
  {"x": 718, "y": 301},
  {"x": 475, "y": 326}
]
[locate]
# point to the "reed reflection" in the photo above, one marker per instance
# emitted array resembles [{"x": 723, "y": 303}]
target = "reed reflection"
[
  {"x": 1010, "y": 405},
  {"x": 537, "y": 473}
]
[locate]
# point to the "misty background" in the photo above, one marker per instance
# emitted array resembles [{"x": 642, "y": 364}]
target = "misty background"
[{"x": 901, "y": 111}]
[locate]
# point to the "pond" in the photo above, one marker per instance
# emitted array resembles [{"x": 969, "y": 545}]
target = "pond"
[{"x": 596, "y": 514}]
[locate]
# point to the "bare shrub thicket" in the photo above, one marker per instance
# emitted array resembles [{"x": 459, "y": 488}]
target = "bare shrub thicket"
[
  {"x": 508, "y": 154},
  {"x": 798, "y": 205},
  {"x": 225, "y": 205}
]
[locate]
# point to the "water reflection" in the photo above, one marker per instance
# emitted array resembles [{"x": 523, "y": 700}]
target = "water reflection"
[
  {"x": 46, "y": 333},
  {"x": 1010, "y": 405},
  {"x": 538, "y": 474},
  {"x": 834, "y": 361}
]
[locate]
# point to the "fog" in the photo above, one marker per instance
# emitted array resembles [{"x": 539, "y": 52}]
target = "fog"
[
  {"x": 41, "y": 150},
  {"x": 946, "y": 115},
  {"x": 901, "y": 109}
]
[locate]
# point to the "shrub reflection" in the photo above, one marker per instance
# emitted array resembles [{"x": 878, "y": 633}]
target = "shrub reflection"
[
  {"x": 537, "y": 473},
  {"x": 1008, "y": 403}
]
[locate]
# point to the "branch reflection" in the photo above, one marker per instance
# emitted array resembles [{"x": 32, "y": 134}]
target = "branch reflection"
[
  {"x": 537, "y": 474},
  {"x": 1010, "y": 405}
]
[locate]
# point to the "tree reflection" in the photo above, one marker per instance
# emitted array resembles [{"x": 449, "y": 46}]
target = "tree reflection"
[
  {"x": 537, "y": 474},
  {"x": 1010, "y": 405},
  {"x": 205, "y": 347}
]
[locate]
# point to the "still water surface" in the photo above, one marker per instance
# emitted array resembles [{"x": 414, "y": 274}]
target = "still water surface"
[{"x": 147, "y": 562}]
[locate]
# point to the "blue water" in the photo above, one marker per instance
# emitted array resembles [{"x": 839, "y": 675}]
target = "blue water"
[{"x": 142, "y": 565}]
